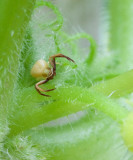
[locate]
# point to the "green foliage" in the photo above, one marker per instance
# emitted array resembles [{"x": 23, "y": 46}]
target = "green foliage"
[{"x": 92, "y": 85}]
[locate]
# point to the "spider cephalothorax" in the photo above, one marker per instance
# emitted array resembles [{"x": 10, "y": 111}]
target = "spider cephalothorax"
[{"x": 41, "y": 69}]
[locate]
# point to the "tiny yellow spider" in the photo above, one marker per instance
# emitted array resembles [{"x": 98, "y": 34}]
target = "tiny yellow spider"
[{"x": 41, "y": 69}]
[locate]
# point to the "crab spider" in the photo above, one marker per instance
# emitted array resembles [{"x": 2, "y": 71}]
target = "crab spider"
[{"x": 41, "y": 69}]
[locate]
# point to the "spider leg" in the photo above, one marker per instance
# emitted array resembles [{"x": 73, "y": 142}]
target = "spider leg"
[
  {"x": 40, "y": 89},
  {"x": 53, "y": 64},
  {"x": 61, "y": 55},
  {"x": 43, "y": 94},
  {"x": 50, "y": 90}
]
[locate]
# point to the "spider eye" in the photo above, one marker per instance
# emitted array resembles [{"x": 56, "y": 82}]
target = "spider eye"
[{"x": 40, "y": 69}]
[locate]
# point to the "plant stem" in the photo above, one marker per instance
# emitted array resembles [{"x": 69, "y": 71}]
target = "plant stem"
[
  {"x": 13, "y": 21},
  {"x": 36, "y": 109},
  {"x": 116, "y": 87},
  {"x": 14, "y": 17},
  {"x": 121, "y": 30}
]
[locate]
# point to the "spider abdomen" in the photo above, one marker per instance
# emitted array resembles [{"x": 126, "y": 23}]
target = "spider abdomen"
[{"x": 40, "y": 70}]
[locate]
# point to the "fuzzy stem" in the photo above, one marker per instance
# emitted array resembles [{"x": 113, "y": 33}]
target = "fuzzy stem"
[
  {"x": 14, "y": 17},
  {"x": 121, "y": 29},
  {"x": 116, "y": 87},
  {"x": 13, "y": 21},
  {"x": 37, "y": 109}
]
